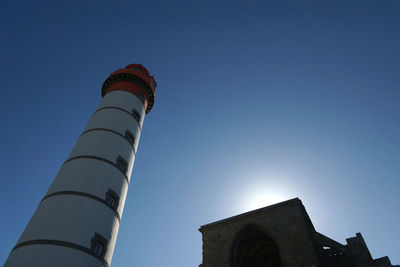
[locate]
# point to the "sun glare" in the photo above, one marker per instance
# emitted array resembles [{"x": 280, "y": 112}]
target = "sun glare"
[
  {"x": 262, "y": 199},
  {"x": 264, "y": 188}
]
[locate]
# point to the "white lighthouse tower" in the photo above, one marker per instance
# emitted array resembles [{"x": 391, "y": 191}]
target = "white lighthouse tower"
[{"x": 77, "y": 221}]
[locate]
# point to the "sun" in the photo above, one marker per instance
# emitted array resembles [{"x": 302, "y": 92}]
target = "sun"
[{"x": 262, "y": 199}]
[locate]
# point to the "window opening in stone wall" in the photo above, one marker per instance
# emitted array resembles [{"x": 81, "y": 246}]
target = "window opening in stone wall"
[
  {"x": 99, "y": 245},
  {"x": 122, "y": 164},
  {"x": 112, "y": 199},
  {"x": 253, "y": 247},
  {"x": 130, "y": 137}
]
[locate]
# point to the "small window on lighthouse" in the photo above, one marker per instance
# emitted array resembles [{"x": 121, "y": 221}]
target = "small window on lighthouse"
[
  {"x": 112, "y": 199},
  {"x": 99, "y": 245},
  {"x": 122, "y": 164},
  {"x": 129, "y": 136},
  {"x": 136, "y": 115}
]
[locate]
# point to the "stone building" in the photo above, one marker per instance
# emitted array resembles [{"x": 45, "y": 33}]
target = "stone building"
[{"x": 280, "y": 235}]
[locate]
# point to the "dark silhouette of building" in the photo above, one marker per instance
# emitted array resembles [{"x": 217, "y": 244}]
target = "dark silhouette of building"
[{"x": 280, "y": 235}]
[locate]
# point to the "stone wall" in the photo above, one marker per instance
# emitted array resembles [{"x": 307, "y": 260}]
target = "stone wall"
[{"x": 287, "y": 223}]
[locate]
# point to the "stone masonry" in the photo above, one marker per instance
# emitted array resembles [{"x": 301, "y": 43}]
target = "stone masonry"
[{"x": 280, "y": 235}]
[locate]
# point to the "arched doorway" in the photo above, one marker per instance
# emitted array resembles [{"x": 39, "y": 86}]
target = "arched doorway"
[{"x": 252, "y": 247}]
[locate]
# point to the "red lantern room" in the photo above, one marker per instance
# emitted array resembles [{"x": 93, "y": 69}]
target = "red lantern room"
[{"x": 134, "y": 78}]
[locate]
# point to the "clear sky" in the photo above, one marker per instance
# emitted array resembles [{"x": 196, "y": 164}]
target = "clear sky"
[{"x": 257, "y": 102}]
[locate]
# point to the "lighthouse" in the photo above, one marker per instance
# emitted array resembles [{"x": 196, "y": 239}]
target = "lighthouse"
[{"x": 77, "y": 221}]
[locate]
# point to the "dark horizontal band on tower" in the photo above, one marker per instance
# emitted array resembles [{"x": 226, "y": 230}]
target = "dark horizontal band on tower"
[
  {"x": 101, "y": 159},
  {"x": 61, "y": 244},
  {"x": 111, "y": 131},
  {"x": 82, "y": 194},
  {"x": 123, "y": 110}
]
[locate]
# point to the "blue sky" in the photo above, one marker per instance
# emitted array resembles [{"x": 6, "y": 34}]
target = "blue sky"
[{"x": 257, "y": 102}]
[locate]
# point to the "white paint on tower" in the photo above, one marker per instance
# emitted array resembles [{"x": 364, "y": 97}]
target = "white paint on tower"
[{"x": 77, "y": 222}]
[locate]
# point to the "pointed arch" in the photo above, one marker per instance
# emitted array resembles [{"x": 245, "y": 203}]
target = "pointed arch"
[{"x": 252, "y": 246}]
